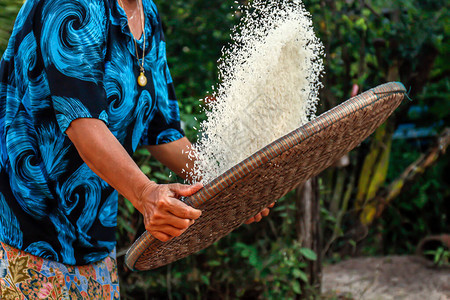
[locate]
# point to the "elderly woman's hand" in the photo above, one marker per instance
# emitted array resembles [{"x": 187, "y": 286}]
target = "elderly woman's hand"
[
  {"x": 165, "y": 216},
  {"x": 264, "y": 213}
]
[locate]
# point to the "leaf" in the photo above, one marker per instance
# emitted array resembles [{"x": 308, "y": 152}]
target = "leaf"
[
  {"x": 214, "y": 263},
  {"x": 365, "y": 176},
  {"x": 303, "y": 277},
  {"x": 123, "y": 224},
  {"x": 17, "y": 269},
  {"x": 308, "y": 253},
  {"x": 253, "y": 259},
  {"x": 368, "y": 214},
  {"x": 146, "y": 169},
  {"x": 361, "y": 24},
  {"x": 205, "y": 279},
  {"x": 245, "y": 252},
  {"x": 161, "y": 176},
  {"x": 129, "y": 206},
  {"x": 296, "y": 287},
  {"x": 240, "y": 245},
  {"x": 381, "y": 166},
  {"x": 143, "y": 151},
  {"x": 13, "y": 294},
  {"x": 297, "y": 273}
]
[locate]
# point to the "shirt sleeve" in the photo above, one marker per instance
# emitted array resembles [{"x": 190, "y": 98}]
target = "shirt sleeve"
[
  {"x": 72, "y": 35},
  {"x": 165, "y": 125}
]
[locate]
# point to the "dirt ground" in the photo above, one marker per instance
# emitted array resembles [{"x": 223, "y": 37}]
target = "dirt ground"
[{"x": 384, "y": 278}]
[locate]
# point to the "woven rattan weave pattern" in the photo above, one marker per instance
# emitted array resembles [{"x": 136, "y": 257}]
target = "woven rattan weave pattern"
[{"x": 270, "y": 173}]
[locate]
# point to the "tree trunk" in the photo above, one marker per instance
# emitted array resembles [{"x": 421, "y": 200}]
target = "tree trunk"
[{"x": 308, "y": 232}]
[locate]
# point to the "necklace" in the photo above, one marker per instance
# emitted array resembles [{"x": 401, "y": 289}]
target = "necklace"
[{"x": 141, "y": 80}]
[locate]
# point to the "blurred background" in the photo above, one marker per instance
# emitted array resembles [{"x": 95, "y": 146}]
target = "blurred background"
[{"x": 388, "y": 197}]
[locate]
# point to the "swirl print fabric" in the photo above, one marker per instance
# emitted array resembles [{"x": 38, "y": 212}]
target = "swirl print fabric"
[
  {"x": 25, "y": 276},
  {"x": 70, "y": 59}
]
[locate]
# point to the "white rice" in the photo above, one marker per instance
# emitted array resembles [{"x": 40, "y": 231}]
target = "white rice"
[{"x": 269, "y": 82}]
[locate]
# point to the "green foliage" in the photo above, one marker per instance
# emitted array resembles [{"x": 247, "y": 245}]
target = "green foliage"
[
  {"x": 368, "y": 43},
  {"x": 196, "y": 31},
  {"x": 441, "y": 256},
  {"x": 418, "y": 212},
  {"x": 8, "y": 12}
]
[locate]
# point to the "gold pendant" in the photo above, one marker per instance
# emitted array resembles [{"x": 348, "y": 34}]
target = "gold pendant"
[{"x": 142, "y": 80}]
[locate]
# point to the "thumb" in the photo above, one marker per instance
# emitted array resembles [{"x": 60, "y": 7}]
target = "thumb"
[{"x": 184, "y": 189}]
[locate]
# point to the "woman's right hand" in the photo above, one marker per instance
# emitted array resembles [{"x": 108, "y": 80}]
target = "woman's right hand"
[{"x": 165, "y": 216}]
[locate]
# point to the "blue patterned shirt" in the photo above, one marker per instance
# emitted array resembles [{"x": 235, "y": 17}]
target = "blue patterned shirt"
[{"x": 69, "y": 59}]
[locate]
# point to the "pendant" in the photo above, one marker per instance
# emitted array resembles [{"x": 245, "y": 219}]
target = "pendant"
[{"x": 142, "y": 80}]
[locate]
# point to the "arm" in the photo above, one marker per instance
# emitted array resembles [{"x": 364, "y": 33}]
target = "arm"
[
  {"x": 174, "y": 155},
  {"x": 164, "y": 215}
]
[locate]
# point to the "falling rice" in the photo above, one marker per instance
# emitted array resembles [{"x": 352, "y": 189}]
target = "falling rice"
[{"x": 269, "y": 81}]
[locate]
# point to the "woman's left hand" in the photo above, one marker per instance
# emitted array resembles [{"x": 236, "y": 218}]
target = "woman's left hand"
[{"x": 264, "y": 213}]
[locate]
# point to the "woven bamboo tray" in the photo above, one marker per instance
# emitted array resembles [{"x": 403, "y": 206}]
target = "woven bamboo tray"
[{"x": 247, "y": 188}]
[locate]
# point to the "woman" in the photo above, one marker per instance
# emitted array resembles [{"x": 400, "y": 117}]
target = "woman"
[{"x": 83, "y": 84}]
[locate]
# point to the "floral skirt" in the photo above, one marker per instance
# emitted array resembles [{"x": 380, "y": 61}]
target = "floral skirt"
[{"x": 25, "y": 276}]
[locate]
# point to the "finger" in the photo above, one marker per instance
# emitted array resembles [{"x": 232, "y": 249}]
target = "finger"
[
  {"x": 258, "y": 217},
  {"x": 182, "y": 210},
  {"x": 184, "y": 189},
  {"x": 160, "y": 236},
  {"x": 168, "y": 230},
  {"x": 265, "y": 212},
  {"x": 250, "y": 221},
  {"x": 160, "y": 219}
]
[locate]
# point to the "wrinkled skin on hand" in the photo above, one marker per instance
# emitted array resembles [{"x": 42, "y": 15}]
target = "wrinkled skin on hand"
[{"x": 165, "y": 216}]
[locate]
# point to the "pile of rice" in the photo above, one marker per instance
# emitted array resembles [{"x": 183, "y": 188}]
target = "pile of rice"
[{"x": 269, "y": 81}]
